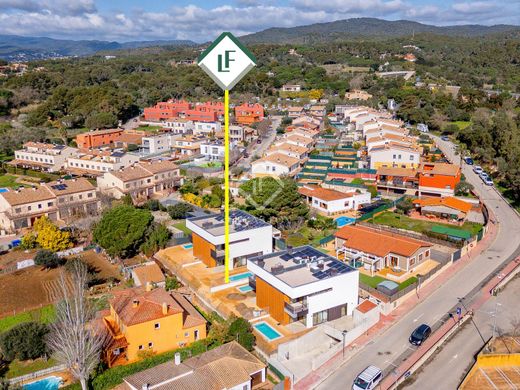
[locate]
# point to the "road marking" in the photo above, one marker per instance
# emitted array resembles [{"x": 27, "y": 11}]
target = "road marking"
[
  {"x": 416, "y": 319},
  {"x": 455, "y": 356}
]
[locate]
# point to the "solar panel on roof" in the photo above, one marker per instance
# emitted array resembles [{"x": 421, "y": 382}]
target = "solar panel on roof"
[{"x": 286, "y": 257}]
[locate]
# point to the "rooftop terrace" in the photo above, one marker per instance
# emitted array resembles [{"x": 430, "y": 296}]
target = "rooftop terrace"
[{"x": 239, "y": 221}]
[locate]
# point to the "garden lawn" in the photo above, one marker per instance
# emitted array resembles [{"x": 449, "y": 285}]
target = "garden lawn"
[
  {"x": 399, "y": 221},
  {"x": 8, "y": 181},
  {"x": 18, "y": 368},
  {"x": 149, "y": 128},
  {"x": 182, "y": 226},
  {"x": 44, "y": 315},
  {"x": 307, "y": 236},
  {"x": 373, "y": 281}
]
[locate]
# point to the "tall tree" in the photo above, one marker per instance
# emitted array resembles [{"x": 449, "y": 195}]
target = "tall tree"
[{"x": 73, "y": 340}]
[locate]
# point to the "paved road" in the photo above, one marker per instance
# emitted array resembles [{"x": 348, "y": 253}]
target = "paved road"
[
  {"x": 393, "y": 342},
  {"x": 260, "y": 149},
  {"x": 449, "y": 366}
]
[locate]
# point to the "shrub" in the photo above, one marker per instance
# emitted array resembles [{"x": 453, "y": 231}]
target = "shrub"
[
  {"x": 240, "y": 330},
  {"x": 24, "y": 341},
  {"x": 172, "y": 283},
  {"x": 179, "y": 210},
  {"x": 47, "y": 259}
]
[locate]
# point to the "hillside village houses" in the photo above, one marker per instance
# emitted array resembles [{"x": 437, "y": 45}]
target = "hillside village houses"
[
  {"x": 275, "y": 164},
  {"x": 142, "y": 180},
  {"x": 58, "y": 200},
  {"x": 95, "y": 162},
  {"x": 188, "y": 145},
  {"x": 357, "y": 94},
  {"x": 291, "y": 88},
  {"x": 42, "y": 156}
]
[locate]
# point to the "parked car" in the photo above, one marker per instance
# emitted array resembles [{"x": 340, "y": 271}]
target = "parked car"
[
  {"x": 420, "y": 334},
  {"x": 483, "y": 175},
  {"x": 478, "y": 169},
  {"x": 487, "y": 181},
  {"x": 445, "y": 138},
  {"x": 368, "y": 379},
  {"x": 258, "y": 141},
  {"x": 468, "y": 160}
]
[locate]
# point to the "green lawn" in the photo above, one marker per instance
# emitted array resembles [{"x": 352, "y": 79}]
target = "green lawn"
[
  {"x": 8, "y": 181},
  {"x": 373, "y": 281},
  {"x": 45, "y": 315},
  {"x": 460, "y": 124},
  {"x": 182, "y": 226},
  {"x": 149, "y": 128},
  {"x": 390, "y": 218},
  {"x": 307, "y": 236},
  {"x": 18, "y": 368}
]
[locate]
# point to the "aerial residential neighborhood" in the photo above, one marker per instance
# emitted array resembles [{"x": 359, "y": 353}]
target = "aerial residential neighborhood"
[{"x": 309, "y": 201}]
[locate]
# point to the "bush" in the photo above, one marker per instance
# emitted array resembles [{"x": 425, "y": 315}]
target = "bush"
[
  {"x": 24, "y": 341},
  {"x": 157, "y": 239},
  {"x": 404, "y": 206},
  {"x": 179, "y": 210},
  {"x": 47, "y": 259},
  {"x": 154, "y": 205},
  {"x": 241, "y": 330},
  {"x": 172, "y": 283}
]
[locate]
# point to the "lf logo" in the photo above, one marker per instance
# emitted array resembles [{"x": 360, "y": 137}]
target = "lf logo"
[{"x": 227, "y": 60}]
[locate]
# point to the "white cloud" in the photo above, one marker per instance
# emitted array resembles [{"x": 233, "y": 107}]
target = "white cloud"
[{"x": 81, "y": 19}]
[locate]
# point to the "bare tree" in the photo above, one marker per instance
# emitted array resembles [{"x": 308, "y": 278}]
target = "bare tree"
[{"x": 74, "y": 340}]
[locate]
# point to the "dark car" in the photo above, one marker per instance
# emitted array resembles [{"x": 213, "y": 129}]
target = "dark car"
[
  {"x": 259, "y": 141},
  {"x": 445, "y": 138},
  {"x": 420, "y": 334},
  {"x": 468, "y": 160}
]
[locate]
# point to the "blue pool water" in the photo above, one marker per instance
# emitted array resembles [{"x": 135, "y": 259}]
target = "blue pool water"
[
  {"x": 245, "y": 288},
  {"x": 342, "y": 221},
  {"x": 187, "y": 246},
  {"x": 49, "y": 383},
  {"x": 267, "y": 331},
  {"x": 3, "y": 190},
  {"x": 234, "y": 278}
]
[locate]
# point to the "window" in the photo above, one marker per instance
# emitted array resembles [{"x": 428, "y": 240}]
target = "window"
[
  {"x": 39, "y": 205},
  {"x": 427, "y": 253},
  {"x": 157, "y": 325},
  {"x": 49, "y": 204},
  {"x": 420, "y": 256},
  {"x": 28, "y": 208},
  {"x": 411, "y": 157},
  {"x": 140, "y": 347},
  {"x": 89, "y": 195},
  {"x": 17, "y": 210},
  {"x": 186, "y": 334},
  {"x": 412, "y": 260},
  {"x": 150, "y": 345}
]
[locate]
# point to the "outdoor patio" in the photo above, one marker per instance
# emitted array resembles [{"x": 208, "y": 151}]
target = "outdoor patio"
[{"x": 400, "y": 276}]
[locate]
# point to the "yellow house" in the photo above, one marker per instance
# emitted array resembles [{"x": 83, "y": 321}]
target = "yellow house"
[{"x": 141, "y": 323}]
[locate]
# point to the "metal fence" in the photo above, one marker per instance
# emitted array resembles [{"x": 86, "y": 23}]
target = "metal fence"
[{"x": 381, "y": 208}]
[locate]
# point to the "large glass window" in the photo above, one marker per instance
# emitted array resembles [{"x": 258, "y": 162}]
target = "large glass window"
[{"x": 319, "y": 317}]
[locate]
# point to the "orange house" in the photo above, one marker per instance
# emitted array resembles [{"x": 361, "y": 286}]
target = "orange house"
[
  {"x": 141, "y": 322},
  {"x": 438, "y": 179},
  {"x": 166, "y": 110},
  {"x": 247, "y": 114},
  {"x": 97, "y": 138}
]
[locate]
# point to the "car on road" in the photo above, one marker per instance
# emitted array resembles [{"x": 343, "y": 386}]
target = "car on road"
[
  {"x": 445, "y": 138},
  {"x": 468, "y": 160},
  {"x": 483, "y": 175},
  {"x": 486, "y": 179},
  {"x": 420, "y": 334},
  {"x": 368, "y": 379},
  {"x": 478, "y": 169},
  {"x": 258, "y": 141}
]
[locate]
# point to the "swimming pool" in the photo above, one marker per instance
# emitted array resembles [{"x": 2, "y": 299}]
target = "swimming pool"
[
  {"x": 3, "y": 190},
  {"x": 343, "y": 221},
  {"x": 244, "y": 275},
  {"x": 267, "y": 331},
  {"x": 49, "y": 383},
  {"x": 245, "y": 288},
  {"x": 187, "y": 246}
]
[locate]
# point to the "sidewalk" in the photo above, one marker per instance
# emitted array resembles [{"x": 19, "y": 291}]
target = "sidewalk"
[{"x": 318, "y": 376}]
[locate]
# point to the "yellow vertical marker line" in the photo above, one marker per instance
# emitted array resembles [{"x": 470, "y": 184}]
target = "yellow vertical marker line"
[{"x": 226, "y": 186}]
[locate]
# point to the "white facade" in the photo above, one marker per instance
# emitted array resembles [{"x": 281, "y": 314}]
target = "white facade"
[
  {"x": 394, "y": 157},
  {"x": 48, "y": 156},
  {"x": 268, "y": 166},
  {"x": 160, "y": 143},
  {"x": 352, "y": 202},
  {"x": 212, "y": 151},
  {"x": 102, "y": 163},
  {"x": 207, "y": 128},
  {"x": 179, "y": 126}
]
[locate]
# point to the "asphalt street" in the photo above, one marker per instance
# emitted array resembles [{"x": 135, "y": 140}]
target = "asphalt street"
[{"x": 386, "y": 347}]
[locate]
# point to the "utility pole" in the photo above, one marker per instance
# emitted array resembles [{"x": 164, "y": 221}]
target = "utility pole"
[{"x": 461, "y": 301}]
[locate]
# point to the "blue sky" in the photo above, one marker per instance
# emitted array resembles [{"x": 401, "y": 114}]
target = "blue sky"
[{"x": 126, "y": 20}]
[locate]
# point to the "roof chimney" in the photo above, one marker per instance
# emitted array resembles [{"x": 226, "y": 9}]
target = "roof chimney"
[
  {"x": 149, "y": 286},
  {"x": 164, "y": 308},
  {"x": 135, "y": 303}
]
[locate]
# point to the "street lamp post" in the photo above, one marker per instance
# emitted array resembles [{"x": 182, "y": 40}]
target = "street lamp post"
[
  {"x": 495, "y": 319},
  {"x": 344, "y": 333},
  {"x": 461, "y": 301}
]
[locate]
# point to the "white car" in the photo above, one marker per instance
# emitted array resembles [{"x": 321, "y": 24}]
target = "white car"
[
  {"x": 487, "y": 181},
  {"x": 368, "y": 379},
  {"x": 477, "y": 169},
  {"x": 483, "y": 175}
]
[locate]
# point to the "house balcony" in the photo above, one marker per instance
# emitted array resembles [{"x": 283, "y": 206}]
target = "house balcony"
[
  {"x": 296, "y": 309},
  {"x": 252, "y": 282},
  {"x": 396, "y": 184},
  {"x": 11, "y": 214}
]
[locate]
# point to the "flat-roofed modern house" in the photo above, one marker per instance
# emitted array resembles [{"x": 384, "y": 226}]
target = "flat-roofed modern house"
[
  {"x": 42, "y": 156},
  {"x": 304, "y": 284},
  {"x": 141, "y": 180},
  {"x": 378, "y": 249},
  {"x": 228, "y": 367},
  {"x": 58, "y": 200},
  {"x": 248, "y": 237}
]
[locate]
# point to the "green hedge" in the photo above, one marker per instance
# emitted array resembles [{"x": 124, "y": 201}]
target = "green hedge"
[{"x": 114, "y": 376}]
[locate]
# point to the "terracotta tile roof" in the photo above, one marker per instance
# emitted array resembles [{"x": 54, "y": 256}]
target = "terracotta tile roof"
[
  {"x": 366, "y": 306},
  {"x": 99, "y": 132},
  {"x": 300, "y": 138},
  {"x": 191, "y": 316},
  {"x": 448, "y": 201},
  {"x": 130, "y": 173},
  {"x": 396, "y": 171},
  {"x": 65, "y": 187},
  {"x": 291, "y": 148},
  {"x": 280, "y": 158},
  {"x": 27, "y": 195},
  {"x": 323, "y": 193},
  {"x": 224, "y": 367},
  {"x": 394, "y": 145},
  {"x": 149, "y": 273},
  {"x": 294, "y": 109},
  {"x": 379, "y": 243},
  {"x": 159, "y": 166},
  {"x": 29, "y": 163},
  {"x": 127, "y": 138},
  {"x": 440, "y": 169}
]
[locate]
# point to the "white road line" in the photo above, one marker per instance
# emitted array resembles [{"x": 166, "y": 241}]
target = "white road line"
[{"x": 416, "y": 319}]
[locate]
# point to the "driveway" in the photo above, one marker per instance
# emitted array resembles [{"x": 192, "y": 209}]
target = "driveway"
[{"x": 386, "y": 347}]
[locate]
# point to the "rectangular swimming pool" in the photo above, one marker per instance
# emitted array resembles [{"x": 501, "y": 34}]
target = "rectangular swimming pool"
[
  {"x": 267, "y": 331},
  {"x": 187, "y": 246},
  {"x": 245, "y": 288},
  {"x": 49, "y": 383},
  {"x": 342, "y": 221},
  {"x": 244, "y": 275}
]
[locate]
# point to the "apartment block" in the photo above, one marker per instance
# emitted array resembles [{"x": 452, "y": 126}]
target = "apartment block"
[
  {"x": 166, "y": 110},
  {"x": 42, "y": 156},
  {"x": 59, "y": 200},
  {"x": 249, "y": 236},
  {"x": 97, "y": 162},
  {"x": 304, "y": 284},
  {"x": 156, "y": 144},
  {"x": 248, "y": 114},
  {"x": 98, "y": 138},
  {"x": 141, "y": 181},
  {"x": 210, "y": 128}
]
